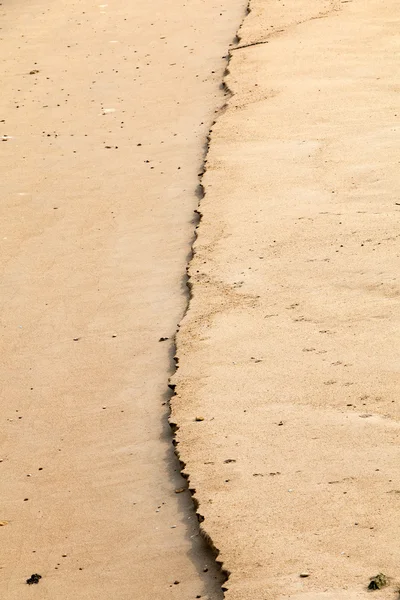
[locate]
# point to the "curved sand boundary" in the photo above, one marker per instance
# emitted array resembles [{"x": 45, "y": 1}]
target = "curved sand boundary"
[{"x": 287, "y": 387}]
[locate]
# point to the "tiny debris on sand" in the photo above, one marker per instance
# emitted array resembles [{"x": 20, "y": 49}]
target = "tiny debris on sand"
[
  {"x": 34, "y": 578},
  {"x": 378, "y": 582}
]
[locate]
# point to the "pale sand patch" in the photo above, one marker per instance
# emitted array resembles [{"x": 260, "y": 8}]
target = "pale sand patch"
[
  {"x": 289, "y": 351},
  {"x": 100, "y": 149}
]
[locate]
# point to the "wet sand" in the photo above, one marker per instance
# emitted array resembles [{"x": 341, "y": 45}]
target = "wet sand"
[
  {"x": 288, "y": 379},
  {"x": 104, "y": 111}
]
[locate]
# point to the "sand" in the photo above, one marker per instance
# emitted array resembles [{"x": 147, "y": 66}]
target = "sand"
[
  {"x": 287, "y": 387},
  {"x": 104, "y": 112}
]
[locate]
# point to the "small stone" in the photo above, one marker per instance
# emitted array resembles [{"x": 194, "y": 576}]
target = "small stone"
[
  {"x": 34, "y": 578},
  {"x": 199, "y": 419},
  {"x": 304, "y": 574},
  {"x": 179, "y": 490},
  {"x": 378, "y": 582}
]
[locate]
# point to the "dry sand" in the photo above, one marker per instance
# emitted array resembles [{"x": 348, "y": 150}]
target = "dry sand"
[
  {"x": 104, "y": 110},
  {"x": 289, "y": 351}
]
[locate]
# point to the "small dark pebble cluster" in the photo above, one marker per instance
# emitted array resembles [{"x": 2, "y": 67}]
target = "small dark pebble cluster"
[{"x": 34, "y": 578}]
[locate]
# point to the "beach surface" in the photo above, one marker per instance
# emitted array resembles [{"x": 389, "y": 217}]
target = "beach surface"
[
  {"x": 104, "y": 113},
  {"x": 287, "y": 388}
]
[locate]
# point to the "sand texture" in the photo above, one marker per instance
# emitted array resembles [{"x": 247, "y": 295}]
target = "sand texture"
[
  {"x": 288, "y": 355},
  {"x": 104, "y": 112}
]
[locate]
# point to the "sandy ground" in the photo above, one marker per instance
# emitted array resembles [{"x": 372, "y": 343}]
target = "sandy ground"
[
  {"x": 104, "y": 109},
  {"x": 288, "y": 380}
]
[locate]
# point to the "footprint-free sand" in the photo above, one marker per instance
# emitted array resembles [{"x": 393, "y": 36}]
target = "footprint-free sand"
[
  {"x": 104, "y": 112},
  {"x": 288, "y": 381}
]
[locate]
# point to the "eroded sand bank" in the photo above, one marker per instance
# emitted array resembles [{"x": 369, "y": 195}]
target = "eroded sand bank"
[
  {"x": 289, "y": 351},
  {"x": 104, "y": 112}
]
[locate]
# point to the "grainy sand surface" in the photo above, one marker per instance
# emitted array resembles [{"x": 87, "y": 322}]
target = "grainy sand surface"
[
  {"x": 288, "y": 381},
  {"x": 104, "y": 111}
]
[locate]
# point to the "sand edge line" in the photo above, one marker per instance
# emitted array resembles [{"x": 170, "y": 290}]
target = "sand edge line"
[{"x": 201, "y": 192}]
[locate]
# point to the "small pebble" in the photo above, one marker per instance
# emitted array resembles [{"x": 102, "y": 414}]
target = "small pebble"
[{"x": 34, "y": 578}]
